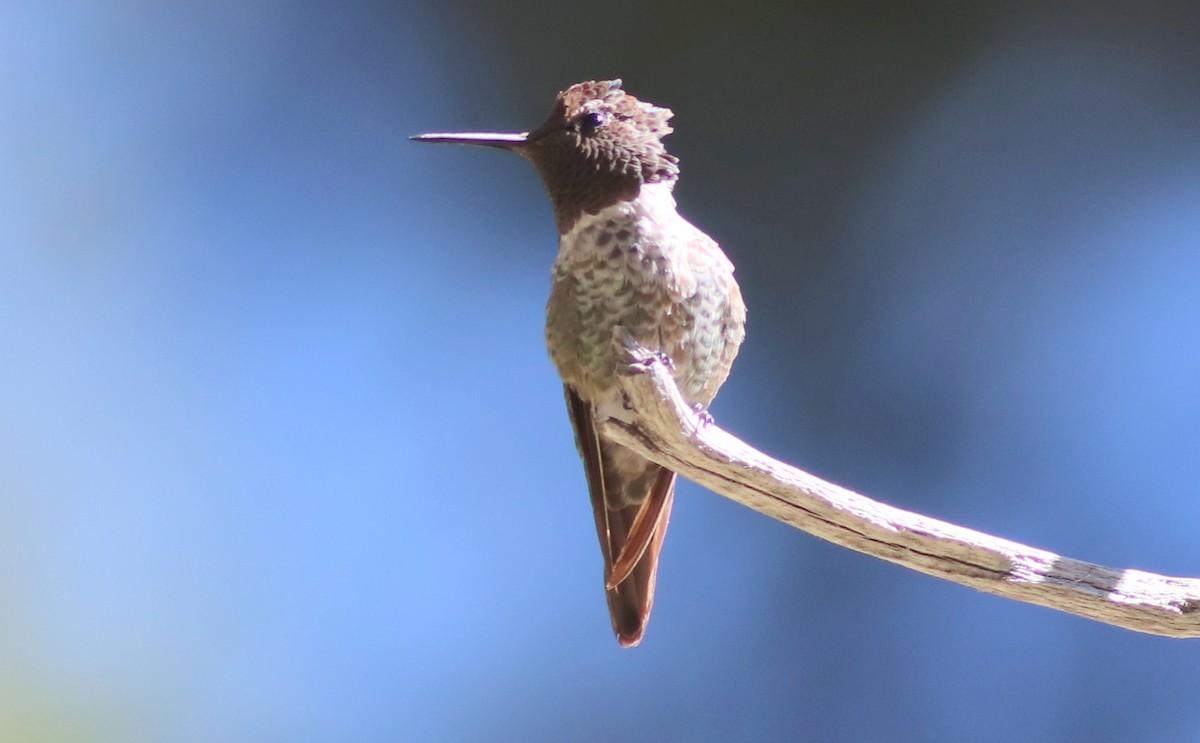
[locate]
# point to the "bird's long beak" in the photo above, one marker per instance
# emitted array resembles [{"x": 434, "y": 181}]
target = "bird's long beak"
[{"x": 480, "y": 139}]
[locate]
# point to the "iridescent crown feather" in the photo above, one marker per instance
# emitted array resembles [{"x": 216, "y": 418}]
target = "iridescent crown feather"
[{"x": 599, "y": 145}]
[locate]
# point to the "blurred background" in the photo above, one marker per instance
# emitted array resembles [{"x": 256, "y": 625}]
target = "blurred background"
[{"x": 282, "y": 456}]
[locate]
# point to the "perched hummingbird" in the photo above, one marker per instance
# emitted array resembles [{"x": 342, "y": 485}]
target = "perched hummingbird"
[{"x": 625, "y": 258}]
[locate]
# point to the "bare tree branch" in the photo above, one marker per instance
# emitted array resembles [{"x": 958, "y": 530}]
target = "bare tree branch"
[{"x": 662, "y": 427}]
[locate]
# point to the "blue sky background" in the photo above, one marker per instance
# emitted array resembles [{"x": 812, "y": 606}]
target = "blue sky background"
[{"x": 282, "y": 456}]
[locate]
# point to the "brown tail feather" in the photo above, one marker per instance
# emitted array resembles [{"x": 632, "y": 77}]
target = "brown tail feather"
[{"x": 630, "y": 602}]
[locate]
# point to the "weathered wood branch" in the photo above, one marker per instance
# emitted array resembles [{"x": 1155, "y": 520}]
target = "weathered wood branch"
[{"x": 662, "y": 427}]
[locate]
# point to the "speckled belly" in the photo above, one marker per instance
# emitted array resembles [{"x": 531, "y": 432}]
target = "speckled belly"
[{"x": 659, "y": 277}]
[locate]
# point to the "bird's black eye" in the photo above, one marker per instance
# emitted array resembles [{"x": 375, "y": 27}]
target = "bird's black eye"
[{"x": 590, "y": 122}]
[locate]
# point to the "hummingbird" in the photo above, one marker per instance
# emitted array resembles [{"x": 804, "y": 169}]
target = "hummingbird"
[{"x": 625, "y": 258}]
